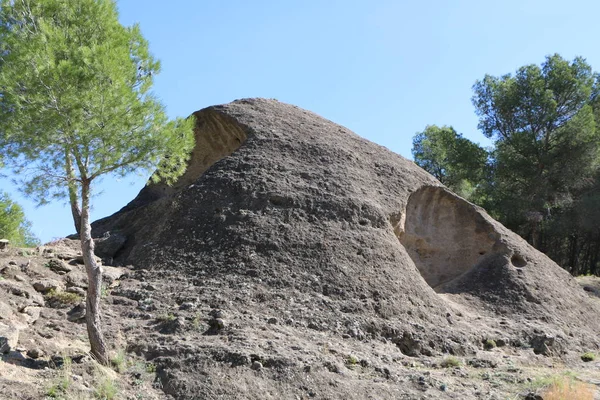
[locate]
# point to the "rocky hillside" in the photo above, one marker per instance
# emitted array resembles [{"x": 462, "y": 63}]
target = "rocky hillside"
[{"x": 297, "y": 260}]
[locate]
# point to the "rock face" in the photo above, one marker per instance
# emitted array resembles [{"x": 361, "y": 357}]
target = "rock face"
[{"x": 285, "y": 216}]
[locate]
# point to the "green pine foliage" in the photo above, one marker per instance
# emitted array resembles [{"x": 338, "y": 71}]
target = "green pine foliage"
[
  {"x": 542, "y": 176},
  {"x": 75, "y": 106},
  {"x": 13, "y": 225},
  {"x": 76, "y": 91},
  {"x": 454, "y": 160}
]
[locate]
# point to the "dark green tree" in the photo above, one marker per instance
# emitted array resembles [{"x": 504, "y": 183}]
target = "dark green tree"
[
  {"x": 454, "y": 160},
  {"x": 13, "y": 225},
  {"x": 542, "y": 121},
  {"x": 75, "y": 106}
]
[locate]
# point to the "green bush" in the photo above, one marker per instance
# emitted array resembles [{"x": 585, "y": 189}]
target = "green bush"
[
  {"x": 589, "y": 356},
  {"x": 450, "y": 362},
  {"x": 489, "y": 344},
  {"x": 63, "y": 297}
]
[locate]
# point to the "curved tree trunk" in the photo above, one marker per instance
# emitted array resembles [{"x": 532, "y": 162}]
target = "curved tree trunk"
[{"x": 94, "y": 273}]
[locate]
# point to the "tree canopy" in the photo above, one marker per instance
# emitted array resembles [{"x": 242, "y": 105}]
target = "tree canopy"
[
  {"x": 543, "y": 124},
  {"x": 76, "y": 105},
  {"x": 454, "y": 160},
  {"x": 542, "y": 177},
  {"x": 13, "y": 225}
]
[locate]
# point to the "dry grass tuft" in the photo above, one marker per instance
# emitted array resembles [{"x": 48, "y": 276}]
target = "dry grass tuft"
[{"x": 565, "y": 388}]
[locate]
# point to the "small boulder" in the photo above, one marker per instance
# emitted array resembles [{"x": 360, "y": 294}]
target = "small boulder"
[
  {"x": 57, "y": 266},
  {"x": 77, "y": 278},
  {"x": 9, "y": 337},
  {"x": 257, "y": 366},
  {"x": 111, "y": 274},
  {"x": 6, "y": 311},
  {"x": 76, "y": 313},
  {"x": 31, "y": 313},
  {"x": 35, "y": 353},
  {"x": 545, "y": 345},
  {"x": 46, "y": 285}
]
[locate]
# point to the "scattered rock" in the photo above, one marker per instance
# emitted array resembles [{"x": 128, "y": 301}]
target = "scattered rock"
[
  {"x": 4, "y": 244},
  {"x": 408, "y": 344},
  {"x": 545, "y": 345},
  {"x": 9, "y": 337},
  {"x": 257, "y": 366},
  {"x": 217, "y": 323},
  {"x": 35, "y": 353},
  {"x": 533, "y": 396},
  {"x": 111, "y": 274},
  {"x": 77, "y": 290},
  {"x": 188, "y": 305},
  {"x": 46, "y": 285},
  {"x": 76, "y": 313},
  {"x": 57, "y": 266}
]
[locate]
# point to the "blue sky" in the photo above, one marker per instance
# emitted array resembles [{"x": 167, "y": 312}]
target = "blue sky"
[{"x": 384, "y": 69}]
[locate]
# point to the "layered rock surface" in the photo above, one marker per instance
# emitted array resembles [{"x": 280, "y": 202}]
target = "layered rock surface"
[{"x": 289, "y": 233}]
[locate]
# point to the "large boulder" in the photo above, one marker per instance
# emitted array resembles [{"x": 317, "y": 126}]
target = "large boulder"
[{"x": 335, "y": 234}]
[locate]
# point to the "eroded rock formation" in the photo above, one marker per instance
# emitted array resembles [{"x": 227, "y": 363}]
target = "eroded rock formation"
[{"x": 287, "y": 217}]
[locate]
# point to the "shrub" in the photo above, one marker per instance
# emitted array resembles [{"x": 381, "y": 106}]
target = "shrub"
[
  {"x": 589, "y": 356},
  {"x": 489, "y": 344},
  {"x": 450, "y": 362},
  {"x": 63, "y": 297},
  {"x": 352, "y": 360}
]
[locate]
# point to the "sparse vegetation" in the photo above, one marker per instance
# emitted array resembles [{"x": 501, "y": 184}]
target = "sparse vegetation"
[
  {"x": 589, "y": 356},
  {"x": 106, "y": 389},
  {"x": 119, "y": 361},
  {"x": 450, "y": 362},
  {"x": 197, "y": 321},
  {"x": 489, "y": 344},
  {"x": 151, "y": 368},
  {"x": 567, "y": 388},
  {"x": 352, "y": 360},
  {"x": 165, "y": 318},
  {"x": 63, "y": 297},
  {"x": 60, "y": 387}
]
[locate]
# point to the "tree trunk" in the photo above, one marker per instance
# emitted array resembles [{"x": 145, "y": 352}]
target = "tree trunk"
[
  {"x": 94, "y": 273},
  {"x": 75, "y": 210}
]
